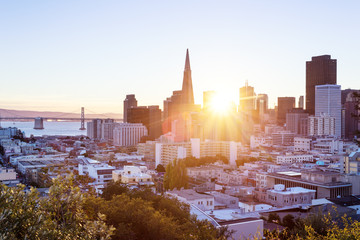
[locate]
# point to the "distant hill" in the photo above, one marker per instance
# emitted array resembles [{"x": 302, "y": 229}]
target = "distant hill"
[{"x": 25, "y": 113}]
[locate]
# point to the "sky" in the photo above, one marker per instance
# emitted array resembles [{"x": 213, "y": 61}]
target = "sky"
[{"x": 64, "y": 55}]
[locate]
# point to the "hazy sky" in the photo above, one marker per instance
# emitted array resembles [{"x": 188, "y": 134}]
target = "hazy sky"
[{"x": 61, "y": 55}]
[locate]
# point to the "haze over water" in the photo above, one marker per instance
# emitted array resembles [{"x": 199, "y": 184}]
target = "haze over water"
[{"x": 50, "y": 128}]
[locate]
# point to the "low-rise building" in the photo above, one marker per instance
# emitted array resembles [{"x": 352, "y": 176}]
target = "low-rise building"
[
  {"x": 300, "y": 158},
  {"x": 8, "y": 176},
  {"x": 202, "y": 201},
  {"x": 101, "y": 172},
  {"x": 133, "y": 175},
  {"x": 327, "y": 184},
  {"x": 281, "y": 197}
]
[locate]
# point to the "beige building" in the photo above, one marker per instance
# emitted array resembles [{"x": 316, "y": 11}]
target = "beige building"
[
  {"x": 168, "y": 152},
  {"x": 281, "y": 197},
  {"x": 133, "y": 175}
]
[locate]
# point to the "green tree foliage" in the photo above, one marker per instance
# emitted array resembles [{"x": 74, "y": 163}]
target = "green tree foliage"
[
  {"x": 274, "y": 217},
  {"x": 59, "y": 216},
  {"x": 114, "y": 188},
  {"x": 141, "y": 214},
  {"x": 288, "y": 221},
  {"x": 319, "y": 226},
  {"x": 176, "y": 175}
]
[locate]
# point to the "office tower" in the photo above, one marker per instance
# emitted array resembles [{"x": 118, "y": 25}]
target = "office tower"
[
  {"x": 319, "y": 71},
  {"x": 322, "y": 125},
  {"x": 328, "y": 102},
  {"x": 155, "y": 124},
  {"x": 93, "y": 129},
  {"x": 262, "y": 103},
  {"x": 180, "y": 104},
  {"x": 138, "y": 115},
  {"x": 187, "y": 88},
  {"x": 301, "y": 102},
  {"x": 208, "y": 97},
  {"x": 129, "y": 134},
  {"x": 247, "y": 99},
  {"x": 295, "y": 122},
  {"x": 129, "y": 102},
  {"x": 285, "y": 104},
  {"x": 351, "y": 122}
]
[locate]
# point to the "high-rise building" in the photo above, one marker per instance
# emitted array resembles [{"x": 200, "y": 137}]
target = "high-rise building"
[
  {"x": 262, "y": 102},
  {"x": 138, "y": 115},
  {"x": 247, "y": 99},
  {"x": 129, "y": 102},
  {"x": 93, "y": 129},
  {"x": 328, "y": 102},
  {"x": 351, "y": 122},
  {"x": 155, "y": 123},
  {"x": 208, "y": 97},
  {"x": 187, "y": 94},
  {"x": 285, "y": 104},
  {"x": 301, "y": 102},
  {"x": 129, "y": 134},
  {"x": 179, "y": 106},
  {"x": 319, "y": 71},
  {"x": 294, "y": 121},
  {"x": 322, "y": 125}
]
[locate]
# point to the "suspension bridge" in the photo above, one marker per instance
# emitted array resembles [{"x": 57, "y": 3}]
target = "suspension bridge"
[{"x": 39, "y": 121}]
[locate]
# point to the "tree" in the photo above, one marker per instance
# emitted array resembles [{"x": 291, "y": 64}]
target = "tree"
[
  {"x": 160, "y": 168},
  {"x": 274, "y": 217},
  {"x": 59, "y": 216},
  {"x": 2, "y": 150},
  {"x": 288, "y": 221},
  {"x": 113, "y": 189}
]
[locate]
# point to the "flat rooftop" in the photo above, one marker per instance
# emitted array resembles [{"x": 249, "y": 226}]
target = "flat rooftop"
[
  {"x": 190, "y": 194},
  {"x": 300, "y": 180}
]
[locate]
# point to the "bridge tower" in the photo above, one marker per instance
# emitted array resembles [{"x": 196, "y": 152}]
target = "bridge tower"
[
  {"x": 39, "y": 123},
  {"x": 82, "y": 127}
]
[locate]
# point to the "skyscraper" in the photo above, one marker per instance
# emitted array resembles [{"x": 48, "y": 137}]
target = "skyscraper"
[
  {"x": 285, "y": 104},
  {"x": 301, "y": 102},
  {"x": 129, "y": 102},
  {"x": 262, "y": 103},
  {"x": 247, "y": 99},
  {"x": 295, "y": 122},
  {"x": 187, "y": 88},
  {"x": 208, "y": 97},
  {"x": 319, "y": 71},
  {"x": 351, "y": 122},
  {"x": 328, "y": 102}
]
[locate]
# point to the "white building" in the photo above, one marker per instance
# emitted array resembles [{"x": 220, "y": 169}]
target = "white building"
[
  {"x": 168, "y": 152},
  {"x": 288, "y": 159},
  {"x": 129, "y": 134},
  {"x": 204, "y": 202},
  {"x": 323, "y": 125},
  {"x": 133, "y": 175},
  {"x": 328, "y": 101},
  {"x": 101, "y": 172},
  {"x": 328, "y": 145},
  {"x": 281, "y": 197},
  {"x": 302, "y": 144}
]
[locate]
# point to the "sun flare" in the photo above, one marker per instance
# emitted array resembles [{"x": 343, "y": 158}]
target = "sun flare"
[{"x": 221, "y": 103}]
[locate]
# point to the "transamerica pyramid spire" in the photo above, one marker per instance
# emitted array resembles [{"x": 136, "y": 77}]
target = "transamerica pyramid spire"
[{"x": 187, "y": 89}]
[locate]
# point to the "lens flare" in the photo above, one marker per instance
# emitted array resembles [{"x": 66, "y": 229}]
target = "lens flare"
[{"x": 221, "y": 103}]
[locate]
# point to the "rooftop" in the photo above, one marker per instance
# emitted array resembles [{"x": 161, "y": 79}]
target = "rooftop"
[{"x": 189, "y": 194}]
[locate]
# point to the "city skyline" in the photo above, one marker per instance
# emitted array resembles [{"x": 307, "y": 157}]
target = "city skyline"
[{"x": 60, "y": 58}]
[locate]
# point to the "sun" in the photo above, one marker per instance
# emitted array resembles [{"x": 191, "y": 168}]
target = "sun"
[{"x": 221, "y": 103}]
